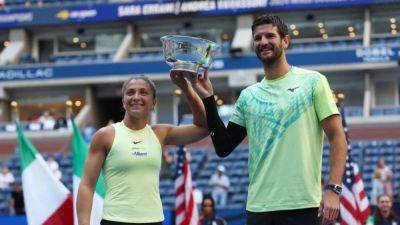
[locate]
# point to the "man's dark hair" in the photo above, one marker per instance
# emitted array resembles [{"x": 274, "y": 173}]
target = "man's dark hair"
[
  {"x": 276, "y": 21},
  {"x": 145, "y": 79}
]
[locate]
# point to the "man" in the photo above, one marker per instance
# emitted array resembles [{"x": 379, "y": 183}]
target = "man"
[
  {"x": 284, "y": 117},
  {"x": 6, "y": 178},
  {"x": 54, "y": 167},
  {"x": 16, "y": 201},
  {"x": 220, "y": 185},
  {"x": 197, "y": 195},
  {"x": 47, "y": 120}
]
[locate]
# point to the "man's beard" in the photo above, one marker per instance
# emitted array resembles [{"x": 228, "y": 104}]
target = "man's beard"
[{"x": 269, "y": 60}]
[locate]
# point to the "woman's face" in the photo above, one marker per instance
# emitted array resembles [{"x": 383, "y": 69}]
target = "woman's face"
[
  {"x": 138, "y": 98},
  {"x": 381, "y": 162},
  {"x": 208, "y": 208},
  {"x": 384, "y": 204}
]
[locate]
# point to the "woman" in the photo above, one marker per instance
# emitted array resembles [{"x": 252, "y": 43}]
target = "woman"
[
  {"x": 377, "y": 188},
  {"x": 129, "y": 152},
  {"x": 386, "y": 176},
  {"x": 208, "y": 216},
  {"x": 384, "y": 214}
]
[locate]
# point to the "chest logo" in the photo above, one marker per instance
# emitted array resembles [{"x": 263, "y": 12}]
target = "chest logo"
[
  {"x": 292, "y": 89},
  {"x": 139, "y": 154}
]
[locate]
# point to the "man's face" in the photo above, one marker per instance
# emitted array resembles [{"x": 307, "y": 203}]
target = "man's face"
[{"x": 267, "y": 43}]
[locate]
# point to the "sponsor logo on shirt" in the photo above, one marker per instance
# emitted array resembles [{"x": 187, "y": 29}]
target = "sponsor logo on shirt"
[
  {"x": 139, "y": 154},
  {"x": 292, "y": 89}
]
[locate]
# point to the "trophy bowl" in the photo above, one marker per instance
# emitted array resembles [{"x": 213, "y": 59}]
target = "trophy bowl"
[{"x": 187, "y": 53}]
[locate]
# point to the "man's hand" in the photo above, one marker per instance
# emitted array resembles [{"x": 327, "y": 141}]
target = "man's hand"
[{"x": 329, "y": 207}]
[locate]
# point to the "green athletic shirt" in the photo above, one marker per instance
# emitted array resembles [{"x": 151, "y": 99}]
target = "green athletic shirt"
[
  {"x": 282, "y": 118},
  {"x": 131, "y": 172}
]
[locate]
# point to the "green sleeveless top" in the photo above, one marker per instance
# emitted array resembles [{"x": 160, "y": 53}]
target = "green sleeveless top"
[{"x": 131, "y": 172}]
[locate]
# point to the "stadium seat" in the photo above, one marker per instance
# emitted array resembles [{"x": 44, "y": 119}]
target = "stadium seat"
[{"x": 82, "y": 58}]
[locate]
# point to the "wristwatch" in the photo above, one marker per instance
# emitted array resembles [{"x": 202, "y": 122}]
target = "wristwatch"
[{"x": 335, "y": 188}]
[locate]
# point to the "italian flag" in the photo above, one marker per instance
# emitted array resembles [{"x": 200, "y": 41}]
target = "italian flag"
[
  {"x": 80, "y": 152},
  {"x": 47, "y": 200}
]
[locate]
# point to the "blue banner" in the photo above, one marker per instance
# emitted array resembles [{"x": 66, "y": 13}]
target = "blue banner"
[
  {"x": 152, "y": 8},
  {"x": 14, "y": 220},
  {"x": 362, "y": 55}
]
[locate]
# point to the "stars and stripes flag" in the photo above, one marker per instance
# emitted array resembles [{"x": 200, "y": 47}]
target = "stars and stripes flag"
[
  {"x": 354, "y": 205},
  {"x": 185, "y": 206}
]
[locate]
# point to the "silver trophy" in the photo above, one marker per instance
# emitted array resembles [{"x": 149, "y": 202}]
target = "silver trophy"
[{"x": 187, "y": 53}]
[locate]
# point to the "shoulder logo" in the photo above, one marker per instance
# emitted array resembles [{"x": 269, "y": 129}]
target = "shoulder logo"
[{"x": 292, "y": 89}]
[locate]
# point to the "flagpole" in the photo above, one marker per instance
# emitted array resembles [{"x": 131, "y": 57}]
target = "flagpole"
[
  {"x": 183, "y": 178},
  {"x": 55, "y": 202},
  {"x": 14, "y": 111},
  {"x": 354, "y": 205},
  {"x": 177, "y": 101},
  {"x": 340, "y": 99},
  {"x": 339, "y": 102},
  {"x": 68, "y": 110}
]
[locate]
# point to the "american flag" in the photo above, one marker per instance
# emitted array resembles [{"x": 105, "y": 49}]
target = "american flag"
[
  {"x": 185, "y": 207},
  {"x": 354, "y": 205}
]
